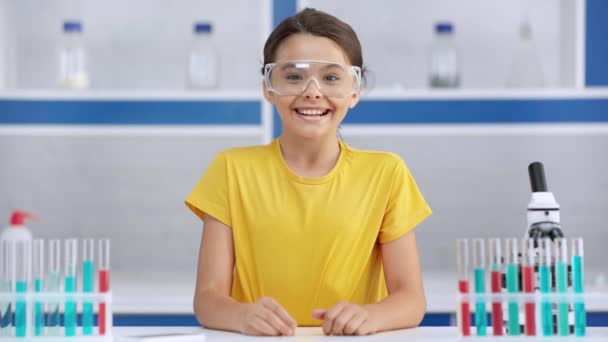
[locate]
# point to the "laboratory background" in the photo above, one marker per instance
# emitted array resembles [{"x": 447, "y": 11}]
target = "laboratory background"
[{"x": 110, "y": 111}]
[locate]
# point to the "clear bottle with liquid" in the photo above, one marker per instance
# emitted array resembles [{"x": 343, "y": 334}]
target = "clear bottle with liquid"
[
  {"x": 444, "y": 63},
  {"x": 73, "y": 73},
  {"x": 526, "y": 70},
  {"x": 202, "y": 60}
]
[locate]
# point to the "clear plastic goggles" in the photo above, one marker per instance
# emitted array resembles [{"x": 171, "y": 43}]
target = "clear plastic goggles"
[{"x": 293, "y": 77}]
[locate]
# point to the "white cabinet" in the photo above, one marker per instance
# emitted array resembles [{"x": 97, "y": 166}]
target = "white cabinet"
[{"x": 396, "y": 34}]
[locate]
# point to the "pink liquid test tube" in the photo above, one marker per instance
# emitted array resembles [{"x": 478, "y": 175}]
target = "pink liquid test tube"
[{"x": 462, "y": 259}]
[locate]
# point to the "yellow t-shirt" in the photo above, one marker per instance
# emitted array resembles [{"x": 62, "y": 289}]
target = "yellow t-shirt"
[{"x": 309, "y": 242}]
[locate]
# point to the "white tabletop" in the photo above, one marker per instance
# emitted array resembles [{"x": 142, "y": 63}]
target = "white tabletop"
[{"x": 316, "y": 334}]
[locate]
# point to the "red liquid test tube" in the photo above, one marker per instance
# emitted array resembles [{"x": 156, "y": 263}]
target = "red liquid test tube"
[
  {"x": 496, "y": 284},
  {"x": 104, "y": 282},
  {"x": 462, "y": 252},
  {"x": 529, "y": 260}
]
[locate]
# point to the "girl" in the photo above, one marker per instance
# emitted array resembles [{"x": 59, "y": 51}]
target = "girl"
[{"x": 307, "y": 230}]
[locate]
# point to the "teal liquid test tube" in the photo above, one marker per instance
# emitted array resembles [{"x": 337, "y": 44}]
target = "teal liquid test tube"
[
  {"x": 512, "y": 249},
  {"x": 479, "y": 265},
  {"x": 88, "y": 283},
  {"x": 7, "y": 277},
  {"x": 580, "y": 319},
  {"x": 53, "y": 285},
  {"x": 71, "y": 259},
  {"x": 23, "y": 258},
  {"x": 38, "y": 275},
  {"x": 544, "y": 271},
  {"x": 561, "y": 285}
]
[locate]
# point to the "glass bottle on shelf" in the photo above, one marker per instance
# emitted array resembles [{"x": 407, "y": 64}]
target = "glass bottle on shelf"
[
  {"x": 444, "y": 64},
  {"x": 202, "y": 60},
  {"x": 73, "y": 72},
  {"x": 526, "y": 70}
]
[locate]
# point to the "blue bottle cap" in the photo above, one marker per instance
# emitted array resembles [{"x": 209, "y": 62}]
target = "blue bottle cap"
[
  {"x": 444, "y": 27},
  {"x": 72, "y": 26},
  {"x": 202, "y": 27}
]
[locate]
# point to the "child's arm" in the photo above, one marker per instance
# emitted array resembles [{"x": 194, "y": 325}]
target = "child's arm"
[
  {"x": 213, "y": 306},
  {"x": 404, "y": 306}
]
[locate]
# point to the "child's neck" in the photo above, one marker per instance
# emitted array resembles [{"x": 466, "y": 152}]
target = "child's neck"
[{"x": 310, "y": 158}]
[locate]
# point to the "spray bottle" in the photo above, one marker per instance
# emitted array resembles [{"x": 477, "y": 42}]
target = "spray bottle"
[{"x": 17, "y": 231}]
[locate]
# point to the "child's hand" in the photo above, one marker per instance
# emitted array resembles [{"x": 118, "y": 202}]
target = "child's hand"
[
  {"x": 266, "y": 317},
  {"x": 345, "y": 319}
]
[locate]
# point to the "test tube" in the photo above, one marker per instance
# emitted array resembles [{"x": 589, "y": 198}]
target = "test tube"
[
  {"x": 7, "y": 284},
  {"x": 512, "y": 248},
  {"x": 496, "y": 284},
  {"x": 88, "y": 281},
  {"x": 462, "y": 259},
  {"x": 527, "y": 271},
  {"x": 104, "y": 283},
  {"x": 479, "y": 264},
  {"x": 71, "y": 258},
  {"x": 561, "y": 285},
  {"x": 23, "y": 249},
  {"x": 544, "y": 270},
  {"x": 580, "y": 320},
  {"x": 53, "y": 285},
  {"x": 38, "y": 274}
]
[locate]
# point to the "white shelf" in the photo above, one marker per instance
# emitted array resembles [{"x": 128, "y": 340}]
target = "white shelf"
[
  {"x": 256, "y": 95},
  {"x": 463, "y": 94},
  {"x": 136, "y": 95}
]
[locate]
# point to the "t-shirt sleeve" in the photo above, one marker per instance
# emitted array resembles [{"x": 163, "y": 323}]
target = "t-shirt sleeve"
[
  {"x": 210, "y": 195},
  {"x": 406, "y": 206}
]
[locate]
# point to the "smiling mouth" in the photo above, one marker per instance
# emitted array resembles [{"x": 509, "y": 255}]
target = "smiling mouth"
[{"x": 312, "y": 112}]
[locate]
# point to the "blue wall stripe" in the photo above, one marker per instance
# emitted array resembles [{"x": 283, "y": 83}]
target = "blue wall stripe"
[
  {"x": 282, "y": 9},
  {"x": 479, "y": 111},
  {"x": 594, "y": 319},
  {"x": 596, "y": 44},
  {"x": 129, "y": 112}
]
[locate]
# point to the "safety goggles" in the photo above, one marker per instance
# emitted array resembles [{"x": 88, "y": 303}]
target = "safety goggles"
[{"x": 293, "y": 77}]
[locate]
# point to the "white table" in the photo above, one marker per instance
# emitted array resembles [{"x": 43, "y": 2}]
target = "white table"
[{"x": 315, "y": 334}]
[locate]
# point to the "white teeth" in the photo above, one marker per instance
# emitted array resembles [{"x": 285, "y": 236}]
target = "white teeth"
[{"x": 311, "y": 111}]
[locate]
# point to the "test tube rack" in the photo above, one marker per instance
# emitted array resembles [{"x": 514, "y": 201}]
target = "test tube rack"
[
  {"x": 41, "y": 300},
  {"x": 535, "y": 286},
  {"x": 29, "y": 301}
]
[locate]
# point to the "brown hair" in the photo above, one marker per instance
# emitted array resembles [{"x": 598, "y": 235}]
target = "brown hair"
[{"x": 317, "y": 23}]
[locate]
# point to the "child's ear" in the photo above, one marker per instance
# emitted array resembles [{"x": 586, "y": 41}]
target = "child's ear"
[
  {"x": 354, "y": 99},
  {"x": 268, "y": 95}
]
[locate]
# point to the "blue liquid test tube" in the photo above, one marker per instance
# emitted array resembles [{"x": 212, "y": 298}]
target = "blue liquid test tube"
[
  {"x": 561, "y": 285},
  {"x": 53, "y": 285},
  {"x": 7, "y": 277},
  {"x": 544, "y": 270},
  {"x": 23, "y": 258},
  {"x": 512, "y": 248},
  {"x": 580, "y": 319},
  {"x": 88, "y": 281},
  {"x": 479, "y": 264},
  {"x": 71, "y": 259},
  {"x": 38, "y": 273}
]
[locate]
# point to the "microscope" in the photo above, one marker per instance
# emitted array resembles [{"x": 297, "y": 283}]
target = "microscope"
[{"x": 543, "y": 210}]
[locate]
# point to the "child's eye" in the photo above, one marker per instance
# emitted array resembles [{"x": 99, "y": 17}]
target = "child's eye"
[
  {"x": 293, "y": 77},
  {"x": 331, "y": 78}
]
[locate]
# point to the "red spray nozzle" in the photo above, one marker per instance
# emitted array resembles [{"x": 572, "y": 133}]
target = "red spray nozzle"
[{"x": 19, "y": 216}]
